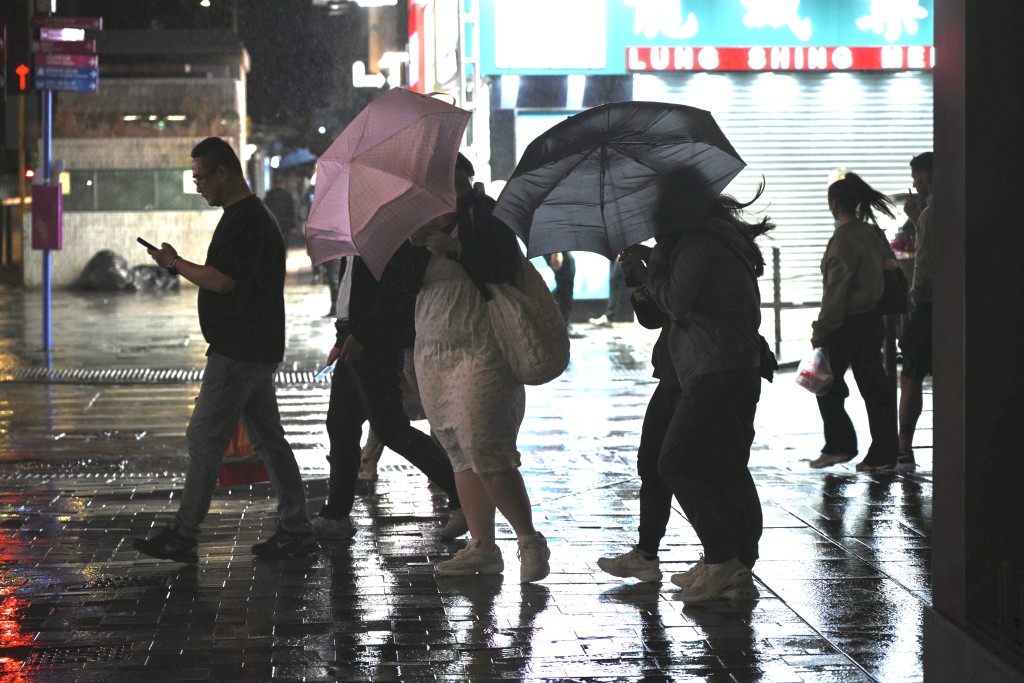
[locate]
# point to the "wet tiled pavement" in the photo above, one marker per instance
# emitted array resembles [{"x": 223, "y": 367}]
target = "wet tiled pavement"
[{"x": 92, "y": 454}]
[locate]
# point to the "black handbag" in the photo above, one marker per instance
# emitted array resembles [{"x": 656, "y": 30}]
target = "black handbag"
[
  {"x": 896, "y": 292},
  {"x": 896, "y": 295}
]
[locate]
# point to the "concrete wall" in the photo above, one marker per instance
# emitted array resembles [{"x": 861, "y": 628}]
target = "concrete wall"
[
  {"x": 89, "y": 232},
  {"x": 86, "y": 233},
  {"x": 124, "y": 152}
]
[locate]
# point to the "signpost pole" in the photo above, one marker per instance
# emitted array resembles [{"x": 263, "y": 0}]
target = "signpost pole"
[
  {"x": 47, "y": 115},
  {"x": 68, "y": 65}
]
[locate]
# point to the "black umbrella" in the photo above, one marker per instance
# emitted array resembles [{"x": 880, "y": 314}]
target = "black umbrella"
[{"x": 593, "y": 182}]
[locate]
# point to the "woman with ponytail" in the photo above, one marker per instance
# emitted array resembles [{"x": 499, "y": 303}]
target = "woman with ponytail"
[{"x": 850, "y": 328}]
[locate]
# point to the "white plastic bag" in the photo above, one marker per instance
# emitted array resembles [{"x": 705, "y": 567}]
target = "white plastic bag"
[{"x": 815, "y": 373}]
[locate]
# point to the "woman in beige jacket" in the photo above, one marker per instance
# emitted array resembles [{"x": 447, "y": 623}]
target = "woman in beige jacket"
[{"x": 849, "y": 325}]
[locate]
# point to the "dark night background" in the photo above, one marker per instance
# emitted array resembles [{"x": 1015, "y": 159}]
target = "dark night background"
[{"x": 300, "y": 55}]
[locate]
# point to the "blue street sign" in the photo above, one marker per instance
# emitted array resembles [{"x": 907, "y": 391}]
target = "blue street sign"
[
  {"x": 67, "y": 78},
  {"x": 67, "y": 84},
  {"x": 68, "y": 72}
]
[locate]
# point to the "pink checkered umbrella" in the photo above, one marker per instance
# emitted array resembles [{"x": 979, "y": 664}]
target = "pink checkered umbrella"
[{"x": 388, "y": 173}]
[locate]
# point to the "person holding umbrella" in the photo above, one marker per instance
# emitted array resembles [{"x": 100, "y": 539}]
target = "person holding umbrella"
[
  {"x": 374, "y": 327},
  {"x": 471, "y": 399},
  {"x": 705, "y": 281}
]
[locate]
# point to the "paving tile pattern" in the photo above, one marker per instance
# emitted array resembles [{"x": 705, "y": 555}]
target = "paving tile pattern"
[{"x": 88, "y": 461}]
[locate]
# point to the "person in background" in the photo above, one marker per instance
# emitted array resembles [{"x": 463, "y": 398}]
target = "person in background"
[
  {"x": 916, "y": 342},
  {"x": 617, "y": 309},
  {"x": 850, "y": 326},
  {"x": 473, "y": 402},
  {"x": 241, "y": 313},
  {"x": 563, "y": 265},
  {"x": 282, "y": 204}
]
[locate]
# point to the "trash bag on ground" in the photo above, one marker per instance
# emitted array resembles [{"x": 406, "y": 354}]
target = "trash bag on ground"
[
  {"x": 106, "y": 271},
  {"x": 154, "y": 279}
]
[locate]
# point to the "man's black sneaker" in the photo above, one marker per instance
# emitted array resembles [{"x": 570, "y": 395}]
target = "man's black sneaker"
[
  {"x": 865, "y": 466},
  {"x": 905, "y": 461},
  {"x": 168, "y": 544},
  {"x": 286, "y": 544}
]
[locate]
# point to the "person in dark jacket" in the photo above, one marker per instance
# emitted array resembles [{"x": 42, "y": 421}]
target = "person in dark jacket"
[
  {"x": 374, "y": 327},
  {"x": 705, "y": 281},
  {"x": 642, "y": 560}
]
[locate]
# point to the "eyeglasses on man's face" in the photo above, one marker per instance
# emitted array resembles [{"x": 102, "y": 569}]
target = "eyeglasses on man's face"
[{"x": 199, "y": 178}]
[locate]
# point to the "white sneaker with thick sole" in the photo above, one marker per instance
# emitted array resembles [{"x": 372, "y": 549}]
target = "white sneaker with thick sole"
[
  {"x": 632, "y": 565},
  {"x": 744, "y": 590},
  {"x": 333, "y": 529},
  {"x": 829, "y": 459},
  {"x": 533, "y": 558},
  {"x": 684, "y": 579},
  {"x": 367, "y": 470},
  {"x": 472, "y": 560},
  {"x": 713, "y": 580},
  {"x": 456, "y": 525}
]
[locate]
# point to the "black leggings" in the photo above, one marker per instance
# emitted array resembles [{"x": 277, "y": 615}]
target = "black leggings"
[
  {"x": 370, "y": 389},
  {"x": 704, "y": 462},
  {"x": 655, "y": 496}
]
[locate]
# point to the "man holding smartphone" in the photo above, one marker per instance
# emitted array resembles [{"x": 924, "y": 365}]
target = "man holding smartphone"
[{"x": 241, "y": 314}]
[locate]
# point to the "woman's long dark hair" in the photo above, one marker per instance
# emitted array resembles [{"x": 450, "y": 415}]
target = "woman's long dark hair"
[
  {"x": 729, "y": 209},
  {"x": 854, "y": 196}
]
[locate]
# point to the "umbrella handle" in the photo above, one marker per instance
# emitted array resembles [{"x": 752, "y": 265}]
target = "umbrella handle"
[{"x": 442, "y": 96}]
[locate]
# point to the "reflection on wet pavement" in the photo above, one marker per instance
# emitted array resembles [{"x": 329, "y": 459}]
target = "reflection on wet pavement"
[{"x": 88, "y": 461}]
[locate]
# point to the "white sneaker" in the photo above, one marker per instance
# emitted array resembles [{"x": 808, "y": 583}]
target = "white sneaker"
[
  {"x": 684, "y": 579},
  {"x": 744, "y": 590},
  {"x": 367, "y": 470},
  {"x": 829, "y": 459},
  {"x": 472, "y": 560},
  {"x": 456, "y": 525},
  {"x": 369, "y": 456},
  {"x": 632, "y": 564},
  {"x": 713, "y": 580},
  {"x": 600, "y": 321},
  {"x": 533, "y": 558},
  {"x": 333, "y": 529}
]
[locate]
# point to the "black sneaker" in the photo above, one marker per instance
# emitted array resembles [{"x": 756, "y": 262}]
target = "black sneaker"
[
  {"x": 286, "y": 544},
  {"x": 865, "y": 466},
  {"x": 168, "y": 544}
]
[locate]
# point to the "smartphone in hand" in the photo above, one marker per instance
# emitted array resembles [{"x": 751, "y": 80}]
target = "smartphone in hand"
[
  {"x": 146, "y": 244},
  {"x": 324, "y": 373}
]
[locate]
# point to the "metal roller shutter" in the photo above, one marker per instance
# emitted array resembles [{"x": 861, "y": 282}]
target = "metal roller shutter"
[{"x": 795, "y": 128}]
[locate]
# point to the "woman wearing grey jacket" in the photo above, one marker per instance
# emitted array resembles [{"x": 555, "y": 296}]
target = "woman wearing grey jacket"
[
  {"x": 850, "y": 328},
  {"x": 705, "y": 281}
]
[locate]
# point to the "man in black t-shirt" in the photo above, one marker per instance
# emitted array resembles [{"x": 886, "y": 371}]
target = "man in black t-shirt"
[{"x": 241, "y": 314}]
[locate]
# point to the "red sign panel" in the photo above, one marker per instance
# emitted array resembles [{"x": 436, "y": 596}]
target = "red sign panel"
[
  {"x": 65, "y": 47},
  {"x": 83, "y": 23},
  {"x": 680, "y": 58},
  {"x": 59, "y": 59},
  {"x": 47, "y": 217}
]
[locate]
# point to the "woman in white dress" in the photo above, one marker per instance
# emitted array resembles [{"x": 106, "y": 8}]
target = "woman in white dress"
[{"x": 473, "y": 403}]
